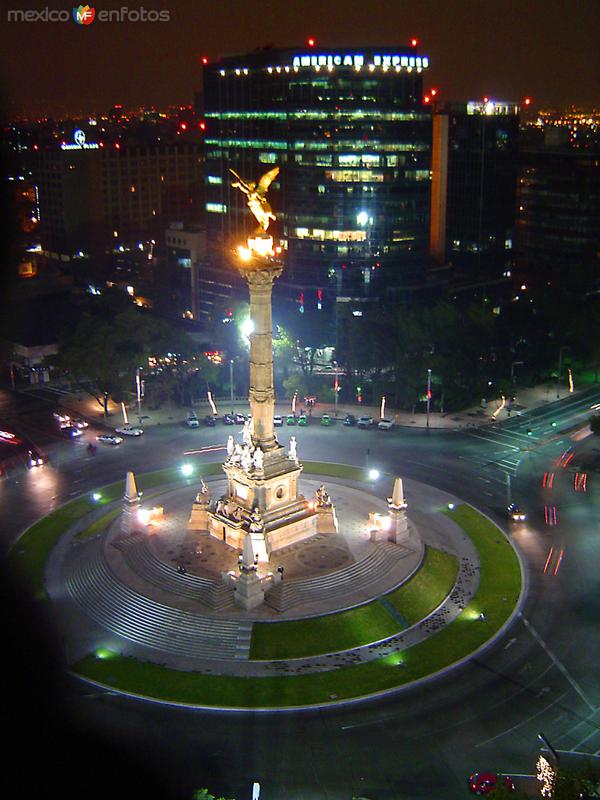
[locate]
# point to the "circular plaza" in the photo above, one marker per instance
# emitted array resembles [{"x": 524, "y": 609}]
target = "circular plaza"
[{"x": 346, "y": 614}]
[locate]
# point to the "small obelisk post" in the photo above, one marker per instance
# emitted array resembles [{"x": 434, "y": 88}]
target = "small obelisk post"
[
  {"x": 131, "y": 504},
  {"x": 397, "y": 508}
]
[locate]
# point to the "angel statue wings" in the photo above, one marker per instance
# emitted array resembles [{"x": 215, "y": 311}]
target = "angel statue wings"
[{"x": 257, "y": 196}]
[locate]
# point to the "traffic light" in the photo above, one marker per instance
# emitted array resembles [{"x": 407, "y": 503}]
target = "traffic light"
[{"x": 529, "y": 432}]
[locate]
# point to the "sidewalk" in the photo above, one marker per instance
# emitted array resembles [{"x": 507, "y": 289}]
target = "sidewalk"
[{"x": 85, "y": 406}]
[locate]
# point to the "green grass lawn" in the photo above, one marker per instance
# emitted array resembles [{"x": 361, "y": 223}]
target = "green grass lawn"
[
  {"x": 424, "y": 592},
  {"x": 327, "y": 634},
  {"x": 100, "y": 524}
]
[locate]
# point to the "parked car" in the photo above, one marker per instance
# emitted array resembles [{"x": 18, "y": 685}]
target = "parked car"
[
  {"x": 365, "y": 422},
  {"x": 79, "y": 423},
  {"x": 350, "y": 419},
  {"x": 303, "y": 420},
  {"x": 240, "y": 419},
  {"x": 291, "y": 419},
  {"x": 62, "y": 417},
  {"x": 515, "y": 514},
  {"x": 109, "y": 438},
  {"x": 277, "y": 421},
  {"x": 129, "y": 430},
  {"x": 385, "y": 424},
  {"x": 210, "y": 421},
  {"x": 325, "y": 419},
  {"x": 486, "y": 782},
  {"x": 192, "y": 421},
  {"x": 228, "y": 419},
  {"x": 70, "y": 431}
]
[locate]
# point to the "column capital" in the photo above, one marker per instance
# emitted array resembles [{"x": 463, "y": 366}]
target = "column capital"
[{"x": 262, "y": 276}]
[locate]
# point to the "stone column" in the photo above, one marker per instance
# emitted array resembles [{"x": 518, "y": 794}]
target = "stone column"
[{"x": 262, "y": 394}]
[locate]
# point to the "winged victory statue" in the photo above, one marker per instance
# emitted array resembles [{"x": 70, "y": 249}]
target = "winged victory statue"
[{"x": 257, "y": 196}]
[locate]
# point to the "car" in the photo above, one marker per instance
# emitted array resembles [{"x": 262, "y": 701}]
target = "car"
[
  {"x": 277, "y": 421},
  {"x": 79, "y": 423},
  {"x": 129, "y": 430},
  {"x": 192, "y": 421},
  {"x": 291, "y": 419},
  {"x": 240, "y": 419},
  {"x": 325, "y": 419},
  {"x": 62, "y": 417},
  {"x": 109, "y": 438},
  {"x": 515, "y": 514},
  {"x": 385, "y": 424},
  {"x": 228, "y": 419},
  {"x": 486, "y": 782},
  {"x": 350, "y": 419},
  {"x": 303, "y": 420},
  {"x": 35, "y": 459},
  {"x": 210, "y": 421},
  {"x": 364, "y": 422},
  {"x": 70, "y": 431}
]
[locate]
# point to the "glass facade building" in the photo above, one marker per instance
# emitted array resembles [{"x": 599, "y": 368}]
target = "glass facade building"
[{"x": 352, "y": 136}]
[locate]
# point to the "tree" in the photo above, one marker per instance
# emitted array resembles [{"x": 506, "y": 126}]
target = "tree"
[{"x": 102, "y": 355}]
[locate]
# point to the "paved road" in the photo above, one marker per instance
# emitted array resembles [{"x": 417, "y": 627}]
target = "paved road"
[{"x": 486, "y": 715}]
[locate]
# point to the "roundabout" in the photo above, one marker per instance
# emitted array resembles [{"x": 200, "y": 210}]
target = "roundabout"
[{"x": 364, "y": 616}]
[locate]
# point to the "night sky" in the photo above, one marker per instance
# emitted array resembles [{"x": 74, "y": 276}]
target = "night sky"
[{"x": 547, "y": 49}]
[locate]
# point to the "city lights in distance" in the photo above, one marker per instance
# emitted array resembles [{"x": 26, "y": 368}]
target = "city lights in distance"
[{"x": 362, "y": 218}]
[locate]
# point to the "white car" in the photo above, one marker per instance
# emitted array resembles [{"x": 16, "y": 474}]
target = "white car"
[
  {"x": 129, "y": 430},
  {"x": 364, "y": 422},
  {"x": 107, "y": 438},
  {"x": 79, "y": 423},
  {"x": 62, "y": 417},
  {"x": 192, "y": 421},
  {"x": 277, "y": 421},
  {"x": 385, "y": 424}
]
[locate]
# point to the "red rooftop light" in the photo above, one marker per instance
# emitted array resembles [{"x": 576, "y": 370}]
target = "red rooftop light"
[
  {"x": 433, "y": 92},
  {"x": 204, "y": 60},
  {"x": 414, "y": 42},
  {"x": 311, "y": 41},
  {"x": 528, "y": 101}
]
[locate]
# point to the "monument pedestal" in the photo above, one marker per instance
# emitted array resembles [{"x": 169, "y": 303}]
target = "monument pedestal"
[
  {"x": 198, "y": 520},
  {"x": 327, "y": 520}
]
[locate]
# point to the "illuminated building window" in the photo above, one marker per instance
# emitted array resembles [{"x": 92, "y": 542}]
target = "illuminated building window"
[
  {"x": 268, "y": 158},
  {"x": 216, "y": 208},
  {"x": 215, "y": 179}
]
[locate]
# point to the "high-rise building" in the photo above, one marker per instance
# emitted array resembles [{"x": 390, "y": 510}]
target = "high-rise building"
[
  {"x": 352, "y": 135},
  {"x": 558, "y": 213},
  {"x": 97, "y": 195},
  {"x": 474, "y": 174}
]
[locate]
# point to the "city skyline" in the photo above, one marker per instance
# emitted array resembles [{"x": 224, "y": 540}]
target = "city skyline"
[{"x": 508, "y": 50}]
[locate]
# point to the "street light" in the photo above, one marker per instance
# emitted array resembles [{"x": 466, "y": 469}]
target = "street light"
[
  {"x": 560, "y": 357},
  {"x": 512, "y": 370},
  {"x": 231, "y": 382},
  {"x": 428, "y": 394}
]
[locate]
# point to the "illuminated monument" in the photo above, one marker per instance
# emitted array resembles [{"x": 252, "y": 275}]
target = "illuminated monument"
[{"x": 262, "y": 510}]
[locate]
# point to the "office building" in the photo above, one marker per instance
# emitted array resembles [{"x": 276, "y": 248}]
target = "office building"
[
  {"x": 352, "y": 136},
  {"x": 474, "y": 174}
]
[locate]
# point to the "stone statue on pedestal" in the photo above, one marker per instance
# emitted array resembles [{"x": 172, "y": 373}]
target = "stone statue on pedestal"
[
  {"x": 292, "y": 451},
  {"x": 258, "y": 459},
  {"x": 230, "y": 446}
]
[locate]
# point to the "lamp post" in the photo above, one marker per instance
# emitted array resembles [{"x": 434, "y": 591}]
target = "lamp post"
[
  {"x": 512, "y": 370},
  {"x": 428, "y": 394},
  {"x": 560, "y": 358},
  {"x": 231, "y": 381},
  {"x": 138, "y": 386}
]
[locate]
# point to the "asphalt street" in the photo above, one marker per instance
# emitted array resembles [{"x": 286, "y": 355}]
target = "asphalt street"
[{"x": 419, "y": 743}]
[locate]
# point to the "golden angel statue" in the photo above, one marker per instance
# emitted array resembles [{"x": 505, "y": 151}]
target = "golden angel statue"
[{"x": 257, "y": 196}]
